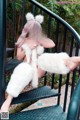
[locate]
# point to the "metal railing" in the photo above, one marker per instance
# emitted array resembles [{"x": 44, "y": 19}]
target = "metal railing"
[{"x": 62, "y": 29}]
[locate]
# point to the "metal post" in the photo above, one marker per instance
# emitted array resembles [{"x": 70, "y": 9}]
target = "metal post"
[{"x": 2, "y": 47}]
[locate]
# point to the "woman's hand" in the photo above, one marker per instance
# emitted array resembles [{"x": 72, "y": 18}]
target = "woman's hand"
[{"x": 72, "y": 62}]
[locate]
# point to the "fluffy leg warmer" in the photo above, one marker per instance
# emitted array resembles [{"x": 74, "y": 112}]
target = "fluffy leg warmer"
[
  {"x": 53, "y": 63},
  {"x": 21, "y": 77}
]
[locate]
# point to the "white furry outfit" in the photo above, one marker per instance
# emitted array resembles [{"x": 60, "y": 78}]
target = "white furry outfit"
[
  {"x": 53, "y": 63},
  {"x": 21, "y": 77},
  {"x": 25, "y": 72}
]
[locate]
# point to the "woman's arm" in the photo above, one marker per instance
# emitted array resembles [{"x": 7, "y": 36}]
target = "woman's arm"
[
  {"x": 72, "y": 62},
  {"x": 47, "y": 43}
]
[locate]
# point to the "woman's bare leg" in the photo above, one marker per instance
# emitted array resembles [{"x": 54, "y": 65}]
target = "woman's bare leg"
[
  {"x": 41, "y": 73},
  {"x": 5, "y": 106}
]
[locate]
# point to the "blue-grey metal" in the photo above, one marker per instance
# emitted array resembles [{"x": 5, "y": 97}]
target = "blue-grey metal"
[
  {"x": 23, "y": 2},
  {"x": 66, "y": 93},
  {"x": 13, "y": 27},
  {"x": 49, "y": 26},
  {"x": 73, "y": 111},
  {"x": 74, "y": 73},
  {"x": 71, "y": 46},
  {"x": 2, "y": 47},
  {"x": 64, "y": 39},
  {"x": 59, "y": 90},
  {"x": 69, "y": 27},
  {"x": 57, "y": 36},
  {"x": 52, "y": 85},
  {"x": 13, "y": 22}
]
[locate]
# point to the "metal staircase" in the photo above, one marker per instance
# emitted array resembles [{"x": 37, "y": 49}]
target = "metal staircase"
[{"x": 55, "y": 112}]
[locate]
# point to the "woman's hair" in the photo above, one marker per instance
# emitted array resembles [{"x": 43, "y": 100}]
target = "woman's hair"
[{"x": 34, "y": 30}]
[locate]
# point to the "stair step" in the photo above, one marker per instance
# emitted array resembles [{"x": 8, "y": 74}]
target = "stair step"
[
  {"x": 47, "y": 113},
  {"x": 36, "y": 94},
  {"x": 9, "y": 49},
  {"x": 12, "y": 64}
]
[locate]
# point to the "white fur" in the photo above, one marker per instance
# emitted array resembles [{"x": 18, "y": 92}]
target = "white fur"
[
  {"x": 27, "y": 51},
  {"x": 53, "y": 63},
  {"x": 29, "y": 16},
  {"x": 37, "y": 51},
  {"x": 40, "y": 49},
  {"x": 39, "y": 18},
  {"x": 21, "y": 77},
  {"x": 24, "y": 72}
]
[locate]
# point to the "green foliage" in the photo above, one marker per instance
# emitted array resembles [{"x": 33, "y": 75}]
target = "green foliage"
[{"x": 68, "y": 10}]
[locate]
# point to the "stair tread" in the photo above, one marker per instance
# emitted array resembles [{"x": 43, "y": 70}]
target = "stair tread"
[
  {"x": 12, "y": 64},
  {"x": 36, "y": 94},
  {"x": 47, "y": 113},
  {"x": 9, "y": 49}
]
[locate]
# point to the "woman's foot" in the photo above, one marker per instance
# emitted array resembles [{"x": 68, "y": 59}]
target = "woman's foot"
[{"x": 5, "y": 107}]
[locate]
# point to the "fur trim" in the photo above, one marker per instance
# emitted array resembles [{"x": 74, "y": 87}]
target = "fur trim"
[
  {"x": 40, "y": 49},
  {"x": 29, "y": 16},
  {"x": 21, "y": 77},
  {"x": 39, "y": 18},
  {"x": 27, "y": 51},
  {"x": 53, "y": 63}
]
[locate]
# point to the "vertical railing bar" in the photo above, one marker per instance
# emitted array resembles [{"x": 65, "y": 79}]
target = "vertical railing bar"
[
  {"x": 64, "y": 39},
  {"x": 2, "y": 48},
  {"x": 52, "y": 85},
  {"x": 48, "y": 32},
  {"x": 13, "y": 26},
  {"x": 49, "y": 26},
  {"x": 66, "y": 92},
  {"x": 59, "y": 90},
  {"x": 74, "y": 73},
  {"x": 41, "y": 12},
  {"x": 57, "y": 36},
  {"x": 22, "y": 14},
  {"x": 45, "y": 80},
  {"x": 33, "y": 9},
  {"x": 71, "y": 46},
  {"x": 67, "y": 81},
  {"x": 78, "y": 117}
]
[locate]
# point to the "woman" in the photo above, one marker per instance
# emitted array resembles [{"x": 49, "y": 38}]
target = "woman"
[{"x": 33, "y": 38}]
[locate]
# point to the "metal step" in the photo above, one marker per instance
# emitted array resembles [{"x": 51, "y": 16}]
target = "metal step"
[
  {"x": 47, "y": 113},
  {"x": 9, "y": 49},
  {"x": 36, "y": 94},
  {"x": 12, "y": 64}
]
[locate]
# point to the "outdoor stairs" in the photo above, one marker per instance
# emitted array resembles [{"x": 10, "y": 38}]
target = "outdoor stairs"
[
  {"x": 43, "y": 92},
  {"x": 54, "y": 112}
]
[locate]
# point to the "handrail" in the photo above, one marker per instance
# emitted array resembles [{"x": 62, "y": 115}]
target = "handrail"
[
  {"x": 2, "y": 47},
  {"x": 74, "y": 104},
  {"x": 69, "y": 27}
]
